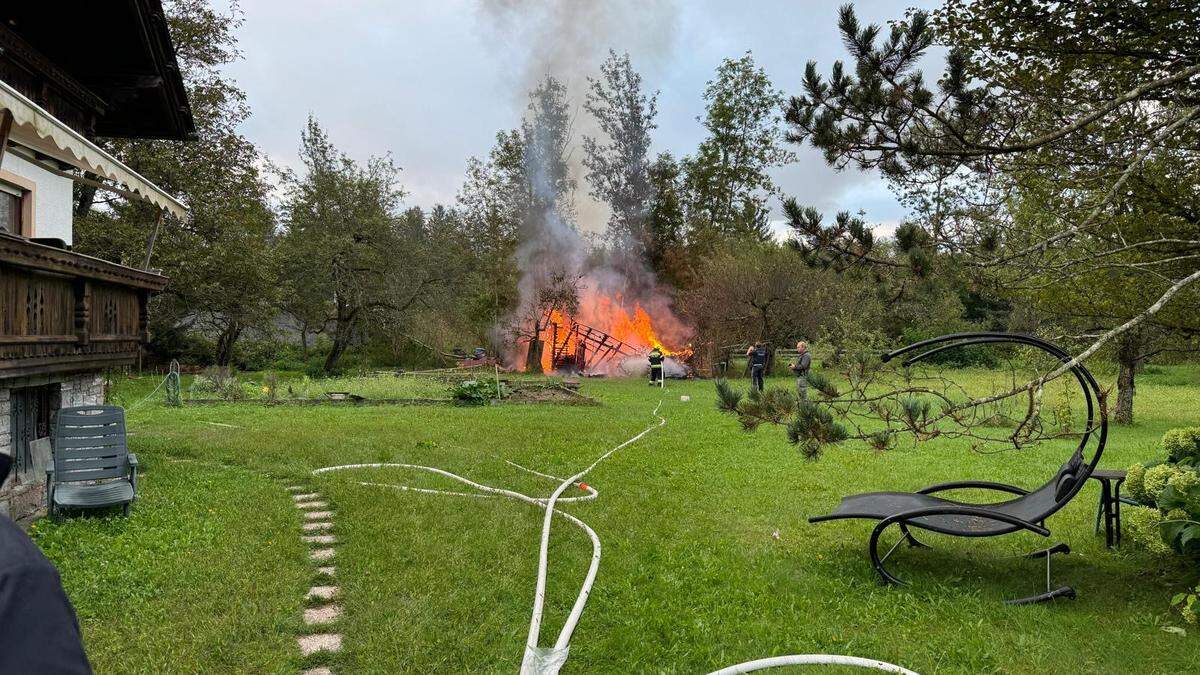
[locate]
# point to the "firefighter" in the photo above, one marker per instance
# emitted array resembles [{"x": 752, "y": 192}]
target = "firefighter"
[
  {"x": 756, "y": 354},
  {"x": 656, "y": 366}
]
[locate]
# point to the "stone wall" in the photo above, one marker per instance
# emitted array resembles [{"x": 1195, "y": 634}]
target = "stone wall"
[
  {"x": 84, "y": 389},
  {"x": 24, "y": 497}
]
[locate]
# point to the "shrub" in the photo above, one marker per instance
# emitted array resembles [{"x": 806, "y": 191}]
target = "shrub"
[
  {"x": 188, "y": 347},
  {"x": 1182, "y": 445},
  {"x": 1060, "y": 409},
  {"x": 1188, "y": 605},
  {"x": 773, "y": 405},
  {"x": 1156, "y": 481},
  {"x": 474, "y": 392},
  {"x": 271, "y": 387},
  {"x": 813, "y": 429},
  {"x": 219, "y": 382},
  {"x": 1169, "y": 520},
  {"x": 1143, "y": 527},
  {"x": 728, "y": 398},
  {"x": 1135, "y": 483}
]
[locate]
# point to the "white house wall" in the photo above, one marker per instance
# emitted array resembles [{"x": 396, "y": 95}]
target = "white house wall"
[{"x": 52, "y": 199}]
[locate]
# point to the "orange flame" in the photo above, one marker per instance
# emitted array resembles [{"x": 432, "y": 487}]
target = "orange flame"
[{"x": 632, "y": 324}]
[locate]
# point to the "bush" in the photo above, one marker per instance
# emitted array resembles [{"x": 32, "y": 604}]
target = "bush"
[
  {"x": 474, "y": 392},
  {"x": 1182, "y": 445},
  {"x": 1169, "y": 520},
  {"x": 1155, "y": 481},
  {"x": 1135, "y": 483},
  {"x": 268, "y": 354},
  {"x": 187, "y": 347},
  {"x": 1142, "y": 526},
  {"x": 728, "y": 398},
  {"x": 220, "y": 382}
]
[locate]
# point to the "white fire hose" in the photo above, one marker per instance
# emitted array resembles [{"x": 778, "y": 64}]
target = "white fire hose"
[{"x": 549, "y": 660}]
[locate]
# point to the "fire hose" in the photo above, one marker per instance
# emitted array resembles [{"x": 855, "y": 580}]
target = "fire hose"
[{"x": 549, "y": 660}]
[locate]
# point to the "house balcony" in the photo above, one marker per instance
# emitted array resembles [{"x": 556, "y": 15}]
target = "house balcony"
[{"x": 64, "y": 312}]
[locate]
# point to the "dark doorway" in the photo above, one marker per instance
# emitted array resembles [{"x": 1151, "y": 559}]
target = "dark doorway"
[{"x": 32, "y": 410}]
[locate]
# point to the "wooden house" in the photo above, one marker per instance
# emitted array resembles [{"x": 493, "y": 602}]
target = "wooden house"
[{"x": 71, "y": 73}]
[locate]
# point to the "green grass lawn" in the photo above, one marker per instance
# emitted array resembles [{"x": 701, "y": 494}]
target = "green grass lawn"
[
  {"x": 208, "y": 574},
  {"x": 291, "y": 386}
]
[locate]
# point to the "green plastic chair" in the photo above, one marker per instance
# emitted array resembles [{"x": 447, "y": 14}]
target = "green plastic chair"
[{"x": 92, "y": 466}]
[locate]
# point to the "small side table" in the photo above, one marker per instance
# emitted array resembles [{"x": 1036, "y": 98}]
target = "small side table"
[{"x": 1110, "y": 504}]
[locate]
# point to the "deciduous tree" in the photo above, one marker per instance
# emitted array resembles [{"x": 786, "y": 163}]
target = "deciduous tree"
[
  {"x": 619, "y": 165},
  {"x": 1077, "y": 100},
  {"x": 344, "y": 229},
  {"x": 728, "y": 178}
]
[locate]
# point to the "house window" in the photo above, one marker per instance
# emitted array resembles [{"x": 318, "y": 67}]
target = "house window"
[{"x": 11, "y": 208}]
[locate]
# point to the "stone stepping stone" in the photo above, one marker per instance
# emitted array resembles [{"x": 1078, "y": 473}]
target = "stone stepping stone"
[
  {"x": 311, "y": 505},
  {"x": 306, "y": 497},
  {"x": 328, "y": 570},
  {"x": 318, "y": 515},
  {"x": 295, "y": 488},
  {"x": 319, "y": 616},
  {"x": 318, "y": 671},
  {"x": 321, "y": 642},
  {"x": 313, "y": 527},
  {"x": 322, "y": 554},
  {"x": 320, "y": 539},
  {"x": 322, "y": 592}
]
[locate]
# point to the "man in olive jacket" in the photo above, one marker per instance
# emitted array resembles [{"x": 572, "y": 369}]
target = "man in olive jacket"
[{"x": 800, "y": 368}]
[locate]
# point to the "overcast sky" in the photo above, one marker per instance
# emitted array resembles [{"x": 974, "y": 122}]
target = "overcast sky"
[{"x": 431, "y": 82}]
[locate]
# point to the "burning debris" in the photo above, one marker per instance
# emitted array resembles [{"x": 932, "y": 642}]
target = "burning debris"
[
  {"x": 613, "y": 342},
  {"x": 571, "y": 346},
  {"x": 581, "y": 309}
]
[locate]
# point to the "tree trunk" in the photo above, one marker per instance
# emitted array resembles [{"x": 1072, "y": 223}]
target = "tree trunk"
[
  {"x": 86, "y": 196},
  {"x": 343, "y": 330},
  {"x": 341, "y": 340},
  {"x": 304, "y": 340},
  {"x": 533, "y": 357},
  {"x": 1127, "y": 360},
  {"x": 225, "y": 342}
]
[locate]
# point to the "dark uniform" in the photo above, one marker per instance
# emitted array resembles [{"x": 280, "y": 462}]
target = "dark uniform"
[
  {"x": 656, "y": 365},
  {"x": 758, "y": 366}
]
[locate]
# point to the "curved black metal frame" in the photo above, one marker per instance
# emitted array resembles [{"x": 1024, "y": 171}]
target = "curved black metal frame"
[{"x": 1092, "y": 395}]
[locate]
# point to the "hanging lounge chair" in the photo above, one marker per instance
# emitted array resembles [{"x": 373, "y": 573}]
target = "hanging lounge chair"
[{"x": 1025, "y": 510}]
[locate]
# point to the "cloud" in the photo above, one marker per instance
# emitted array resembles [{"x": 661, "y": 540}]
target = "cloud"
[{"x": 432, "y": 83}]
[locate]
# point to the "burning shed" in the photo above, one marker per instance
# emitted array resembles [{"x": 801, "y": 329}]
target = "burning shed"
[{"x": 606, "y": 336}]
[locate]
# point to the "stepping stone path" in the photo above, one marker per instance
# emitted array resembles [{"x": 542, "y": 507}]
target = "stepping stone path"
[{"x": 318, "y": 526}]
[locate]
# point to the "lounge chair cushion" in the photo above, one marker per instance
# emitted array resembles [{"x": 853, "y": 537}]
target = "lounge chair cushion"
[
  {"x": 880, "y": 505},
  {"x": 99, "y": 494}
]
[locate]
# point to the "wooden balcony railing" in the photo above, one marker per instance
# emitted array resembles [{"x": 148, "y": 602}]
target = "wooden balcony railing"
[{"x": 62, "y": 311}]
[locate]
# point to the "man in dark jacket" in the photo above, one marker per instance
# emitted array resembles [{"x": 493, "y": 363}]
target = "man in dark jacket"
[
  {"x": 757, "y": 357},
  {"x": 38, "y": 629},
  {"x": 800, "y": 368}
]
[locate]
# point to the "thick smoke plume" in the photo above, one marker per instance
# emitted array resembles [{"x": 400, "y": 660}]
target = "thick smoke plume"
[{"x": 567, "y": 41}]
